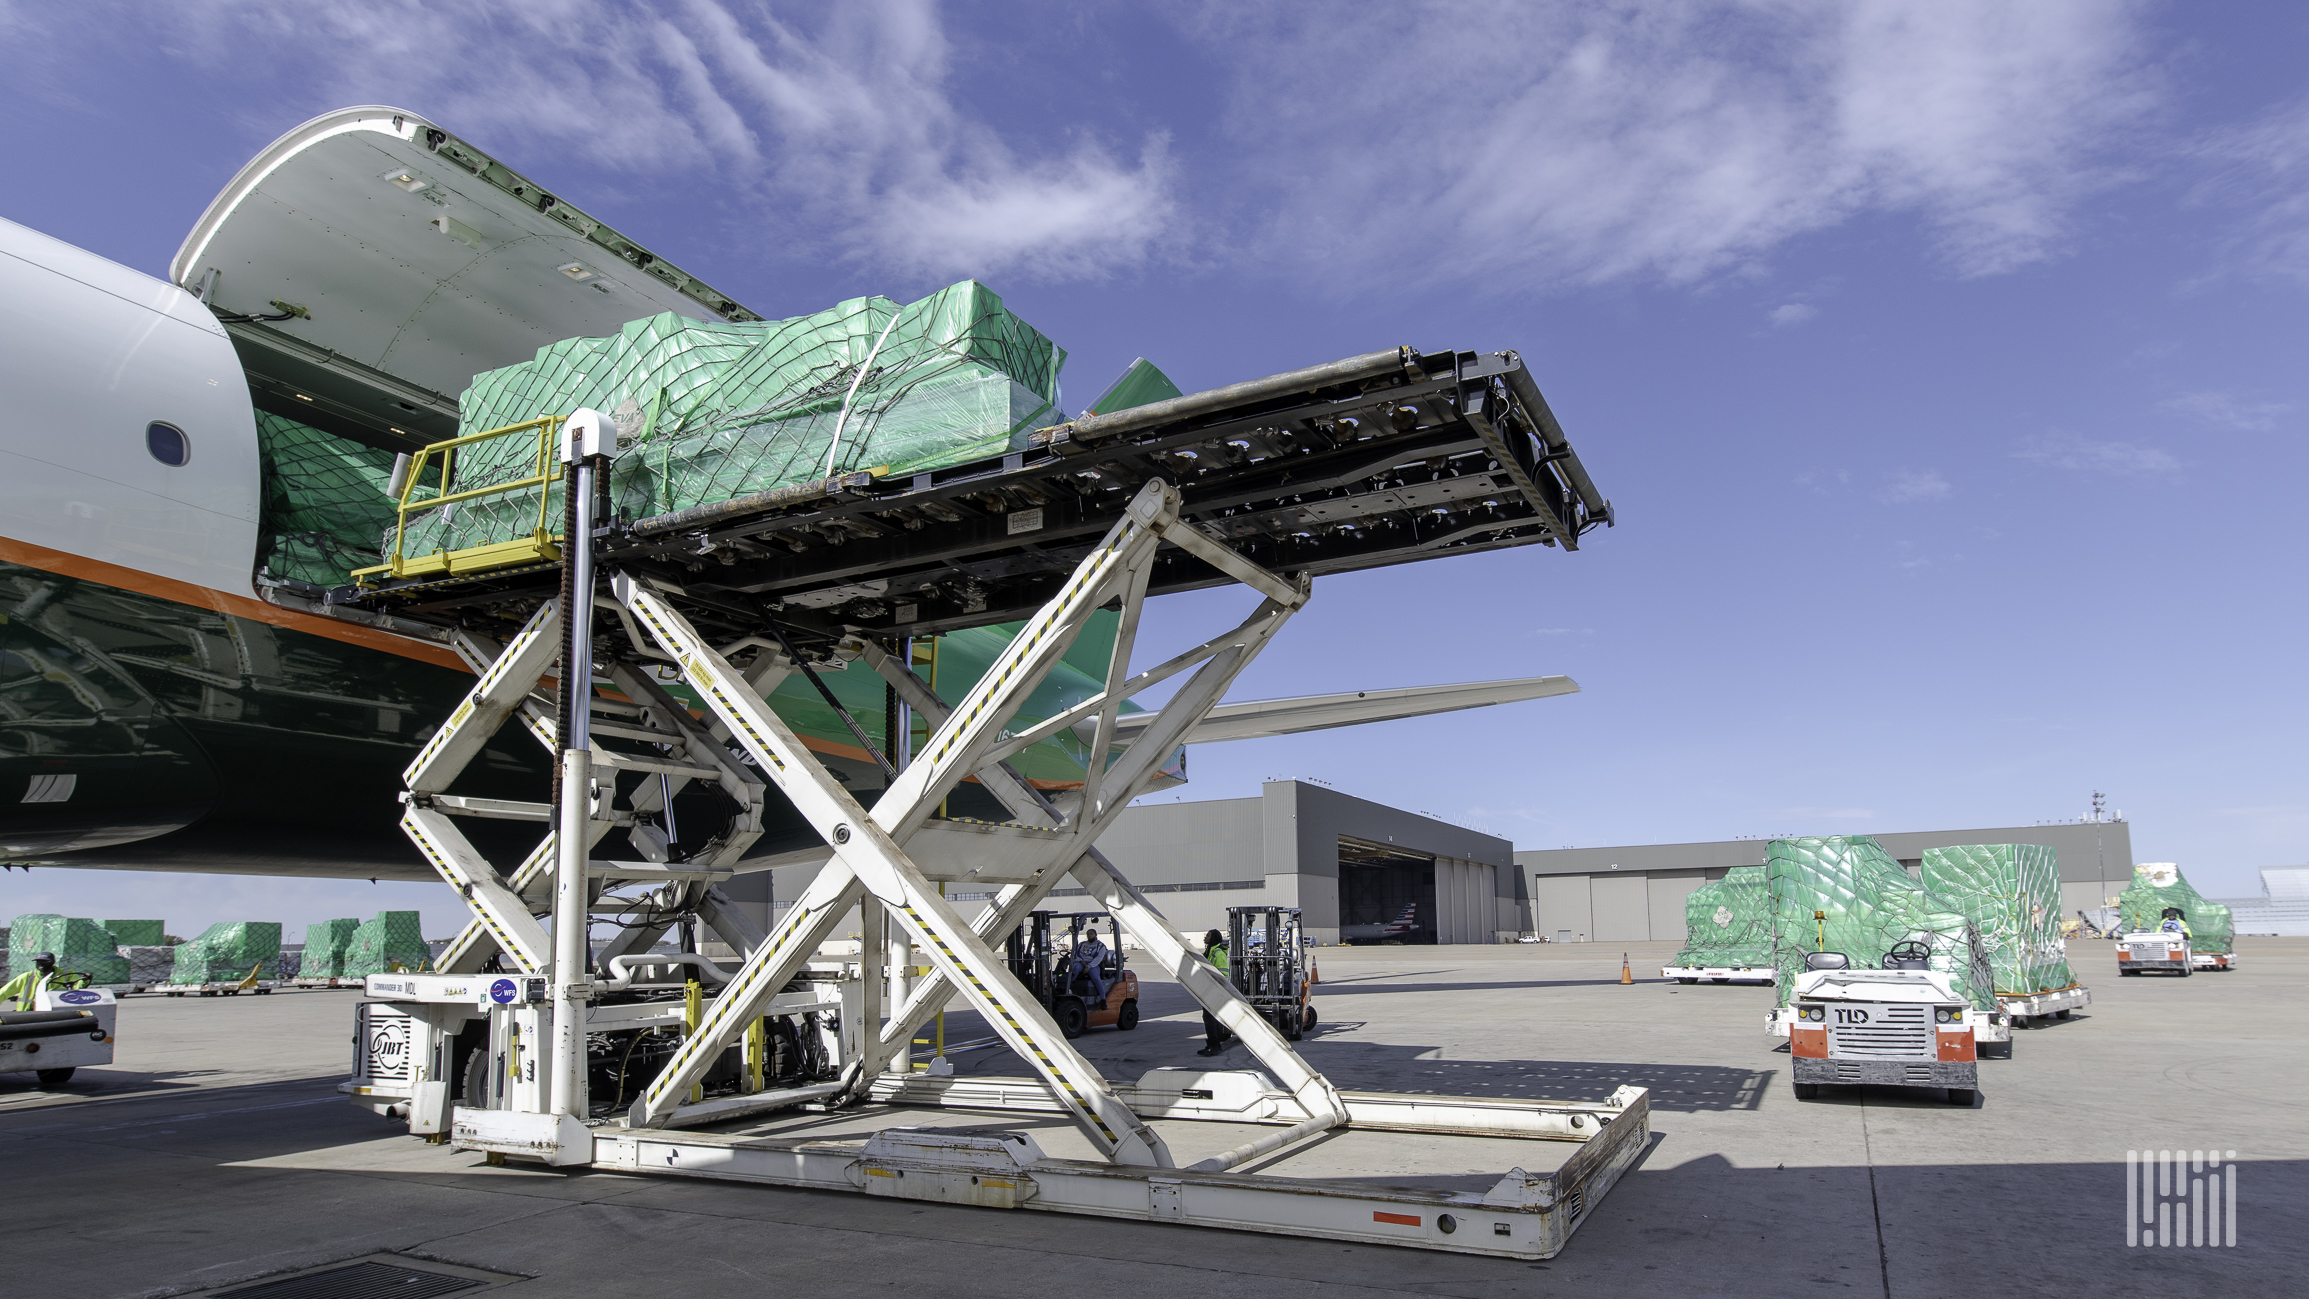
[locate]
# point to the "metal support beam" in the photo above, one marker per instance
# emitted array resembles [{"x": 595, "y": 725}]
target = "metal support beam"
[{"x": 868, "y": 858}]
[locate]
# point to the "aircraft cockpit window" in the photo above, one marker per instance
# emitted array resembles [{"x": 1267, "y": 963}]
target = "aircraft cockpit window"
[{"x": 167, "y": 443}]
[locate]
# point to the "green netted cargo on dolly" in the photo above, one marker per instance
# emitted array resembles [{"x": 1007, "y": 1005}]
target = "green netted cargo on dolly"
[
  {"x": 709, "y": 413},
  {"x": 2158, "y": 888},
  {"x": 323, "y": 964},
  {"x": 2011, "y": 894},
  {"x": 390, "y": 943},
  {"x": 1727, "y": 931},
  {"x": 81, "y": 947},
  {"x": 136, "y": 933},
  {"x": 230, "y": 957},
  {"x": 1846, "y": 894}
]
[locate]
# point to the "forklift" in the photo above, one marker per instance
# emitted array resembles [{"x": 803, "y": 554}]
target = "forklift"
[
  {"x": 1268, "y": 962},
  {"x": 1061, "y": 985}
]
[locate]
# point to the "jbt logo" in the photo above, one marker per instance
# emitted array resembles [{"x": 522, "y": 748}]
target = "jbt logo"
[{"x": 503, "y": 991}]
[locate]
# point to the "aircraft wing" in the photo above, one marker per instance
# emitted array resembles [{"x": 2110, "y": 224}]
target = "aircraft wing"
[{"x": 1263, "y": 717}]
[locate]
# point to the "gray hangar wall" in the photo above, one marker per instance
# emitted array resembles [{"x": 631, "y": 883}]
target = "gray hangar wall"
[
  {"x": 1636, "y": 892},
  {"x": 1284, "y": 848}
]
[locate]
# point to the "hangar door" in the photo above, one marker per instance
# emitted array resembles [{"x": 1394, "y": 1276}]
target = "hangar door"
[{"x": 1390, "y": 894}]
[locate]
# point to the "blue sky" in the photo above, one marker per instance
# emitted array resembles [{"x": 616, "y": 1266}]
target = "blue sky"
[{"x": 1942, "y": 360}]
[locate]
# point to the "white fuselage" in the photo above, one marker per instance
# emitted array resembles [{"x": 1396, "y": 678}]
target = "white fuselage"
[{"x": 91, "y": 354}]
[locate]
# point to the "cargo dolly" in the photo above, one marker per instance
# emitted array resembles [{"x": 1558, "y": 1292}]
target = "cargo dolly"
[{"x": 1387, "y": 458}]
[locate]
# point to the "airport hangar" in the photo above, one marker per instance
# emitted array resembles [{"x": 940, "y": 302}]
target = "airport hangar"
[
  {"x": 1636, "y": 893},
  {"x": 1344, "y": 860},
  {"x": 1341, "y": 860}
]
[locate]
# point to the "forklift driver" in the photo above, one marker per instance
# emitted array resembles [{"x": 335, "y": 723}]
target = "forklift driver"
[
  {"x": 1090, "y": 963},
  {"x": 26, "y": 988}
]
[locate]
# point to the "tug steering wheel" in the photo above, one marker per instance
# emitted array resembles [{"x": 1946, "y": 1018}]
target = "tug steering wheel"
[{"x": 1907, "y": 955}]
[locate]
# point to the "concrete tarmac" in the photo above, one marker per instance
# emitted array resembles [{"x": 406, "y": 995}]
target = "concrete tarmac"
[{"x": 215, "y": 1151}]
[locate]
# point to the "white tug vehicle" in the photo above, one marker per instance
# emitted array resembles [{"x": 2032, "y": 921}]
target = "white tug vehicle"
[{"x": 1901, "y": 1026}]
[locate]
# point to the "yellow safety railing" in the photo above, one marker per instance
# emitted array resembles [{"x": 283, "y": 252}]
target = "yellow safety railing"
[{"x": 540, "y": 544}]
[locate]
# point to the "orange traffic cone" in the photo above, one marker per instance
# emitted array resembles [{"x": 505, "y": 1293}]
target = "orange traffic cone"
[{"x": 1627, "y": 975}]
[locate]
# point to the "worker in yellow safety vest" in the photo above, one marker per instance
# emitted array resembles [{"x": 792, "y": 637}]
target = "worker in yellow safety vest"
[
  {"x": 1215, "y": 1034},
  {"x": 26, "y": 988}
]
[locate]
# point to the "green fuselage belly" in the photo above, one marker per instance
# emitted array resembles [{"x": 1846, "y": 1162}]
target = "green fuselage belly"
[{"x": 201, "y": 740}]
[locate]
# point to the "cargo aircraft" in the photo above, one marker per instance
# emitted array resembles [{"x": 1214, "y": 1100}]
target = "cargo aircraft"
[{"x": 168, "y": 699}]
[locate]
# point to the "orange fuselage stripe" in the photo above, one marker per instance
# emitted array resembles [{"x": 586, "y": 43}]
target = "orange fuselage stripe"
[
  {"x": 241, "y": 606},
  {"x": 65, "y": 564}
]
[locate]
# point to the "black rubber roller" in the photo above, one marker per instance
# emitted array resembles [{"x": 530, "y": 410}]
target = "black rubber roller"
[{"x": 19, "y": 1025}]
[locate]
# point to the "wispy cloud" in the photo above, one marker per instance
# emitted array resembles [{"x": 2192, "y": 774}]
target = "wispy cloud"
[
  {"x": 1520, "y": 146},
  {"x": 2069, "y": 451},
  {"x": 2229, "y": 410},
  {"x": 1586, "y": 142},
  {"x": 848, "y": 130},
  {"x": 1793, "y": 313},
  {"x": 1910, "y": 485},
  {"x": 2262, "y": 182}
]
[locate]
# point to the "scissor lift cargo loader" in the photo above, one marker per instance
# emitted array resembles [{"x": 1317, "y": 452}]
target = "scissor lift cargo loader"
[{"x": 888, "y": 862}]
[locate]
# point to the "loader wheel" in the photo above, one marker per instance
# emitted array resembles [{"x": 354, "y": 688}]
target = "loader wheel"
[
  {"x": 1126, "y": 1019},
  {"x": 1807, "y": 1091},
  {"x": 53, "y": 1078},
  {"x": 1072, "y": 1018},
  {"x": 1307, "y": 1025},
  {"x": 2060, "y": 1014},
  {"x": 476, "y": 1082},
  {"x": 1687, "y": 980},
  {"x": 1963, "y": 1096},
  {"x": 2186, "y": 971}
]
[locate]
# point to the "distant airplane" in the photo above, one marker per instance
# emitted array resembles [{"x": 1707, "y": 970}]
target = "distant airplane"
[
  {"x": 169, "y": 702},
  {"x": 1403, "y": 924}
]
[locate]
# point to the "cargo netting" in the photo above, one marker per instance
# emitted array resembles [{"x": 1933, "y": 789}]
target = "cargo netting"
[
  {"x": 81, "y": 947},
  {"x": 708, "y": 412},
  {"x": 149, "y": 965},
  {"x": 1846, "y": 894},
  {"x": 390, "y": 943},
  {"x": 2011, "y": 894},
  {"x": 137, "y": 933},
  {"x": 325, "y": 944},
  {"x": 326, "y": 500},
  {"x": 2158, "y": 885},
  {"x": 228, "y": 951},
  {"x": 1728, "y": 922}
]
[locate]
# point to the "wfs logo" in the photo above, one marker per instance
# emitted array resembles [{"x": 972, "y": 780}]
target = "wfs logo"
[{"x": 2180, "y": 1197}]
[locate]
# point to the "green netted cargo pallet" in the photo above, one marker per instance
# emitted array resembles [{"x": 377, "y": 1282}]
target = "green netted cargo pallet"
[
  {"x": 1728, "y": 922},
  {"x": 392, "y": 940},
  {"x": 136, "y": 933},
  {"x": 708, "y": 412},
  {"x": 325, "y": 503},
  {"x": 1869, "y": 904},
  {"x": 81, "y": 946},
  {"x": 2011, "y": 894},
  {"x": 325, "y": 947},
  {"x": 227, "y": 951},
  {"x": 2157, "y": 885}
]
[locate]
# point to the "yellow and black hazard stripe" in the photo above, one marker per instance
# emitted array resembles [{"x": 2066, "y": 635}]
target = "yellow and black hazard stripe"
[
  {"x": 457, "y": 881},
  {"x": 704, "y": 678},
  {"x": 983, "y": 695},
  {"x": 1049, "y": 1065},
  {"x": 737, "y": 994}
]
